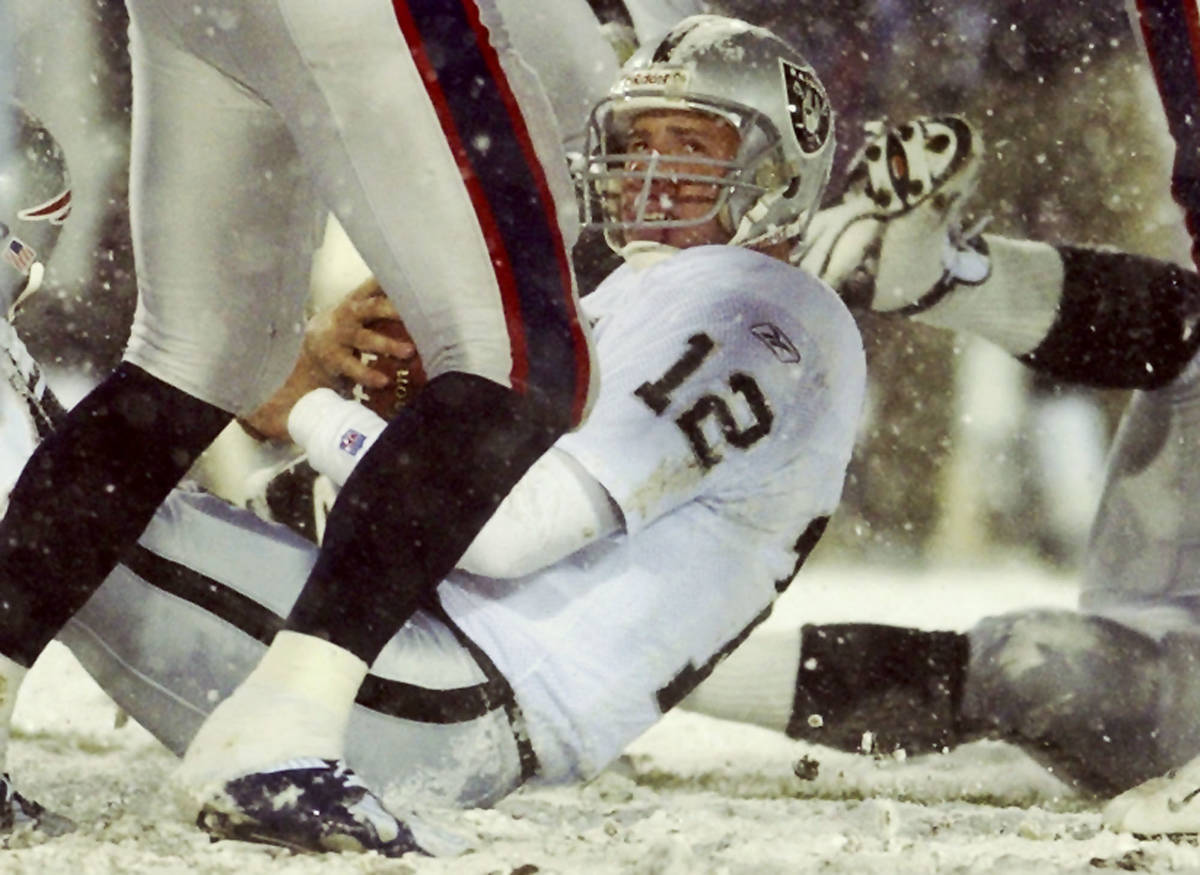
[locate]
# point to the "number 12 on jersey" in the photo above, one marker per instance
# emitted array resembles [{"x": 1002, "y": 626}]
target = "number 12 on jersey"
[{"x": 742, "y": 435}]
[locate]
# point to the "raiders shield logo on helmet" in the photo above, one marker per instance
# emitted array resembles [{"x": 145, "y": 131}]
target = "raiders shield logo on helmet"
[{"x": 808, "y": 107}]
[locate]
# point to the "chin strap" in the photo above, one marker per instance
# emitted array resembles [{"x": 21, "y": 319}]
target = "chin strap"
[
  {"x": 37, "y": 272},
  {"x": 641, "y": 254},
  {"x": 772, "y": 235},
  {"x": 22, "y": 372}
]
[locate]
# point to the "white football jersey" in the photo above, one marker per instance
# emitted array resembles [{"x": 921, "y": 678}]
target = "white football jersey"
[{"x": 732, "y": 388}]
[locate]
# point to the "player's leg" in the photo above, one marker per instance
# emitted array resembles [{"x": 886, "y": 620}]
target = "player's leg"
[
  {"x": 1143, "y": 561},
  {"x": 91, "y": 488},
  {"x": 577, "y": 66},
  {"x": 480, "y": 273},
  {"x": 859, "y": 687},
  {"x": 1142, "y": 564},
  {"x": 1089, "y": 697},
  {"x": 1167, "y": 804},
  {"x": 1143, "y": 545},
  {"x": 211, "y": 335},
  {"x": 470, "y": 248},
  {"x": 1098, "y": 702},
  {"x": 406, "y": 118},
  {"x": 178, "y": 624}
]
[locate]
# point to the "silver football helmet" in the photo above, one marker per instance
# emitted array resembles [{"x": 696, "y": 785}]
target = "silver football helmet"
[
  {"x": 35, "y": 200},
  {"x": 745, "y": 75}
]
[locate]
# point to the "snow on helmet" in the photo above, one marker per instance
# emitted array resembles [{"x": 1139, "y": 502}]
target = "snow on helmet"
[{"x": 745, "y": 75}]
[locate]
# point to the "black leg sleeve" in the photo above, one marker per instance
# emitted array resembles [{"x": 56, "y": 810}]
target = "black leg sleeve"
[
  {"x": 414, "y": 504},
  {"x": 86, "y": 494},
  {"x": 904, "y": 686},
  {"x": 1124, "y": 322}
]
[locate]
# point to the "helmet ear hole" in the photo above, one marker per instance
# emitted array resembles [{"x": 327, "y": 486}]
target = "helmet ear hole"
[
  {"x": 37, "y": 273},
  {"x": 770, "y": 175}
]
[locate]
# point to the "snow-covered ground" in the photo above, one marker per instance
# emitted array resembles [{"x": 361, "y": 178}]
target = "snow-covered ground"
[{"x": 694, "y": 795}]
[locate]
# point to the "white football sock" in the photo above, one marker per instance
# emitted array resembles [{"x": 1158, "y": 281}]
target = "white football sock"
[
  {"x": 754, "y": 684},
  {"x": 1016, "y": 305},
  {"x": 295, "y": 704}
]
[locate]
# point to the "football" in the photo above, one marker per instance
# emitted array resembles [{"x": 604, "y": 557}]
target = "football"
[{"x": 406, "y": 375}]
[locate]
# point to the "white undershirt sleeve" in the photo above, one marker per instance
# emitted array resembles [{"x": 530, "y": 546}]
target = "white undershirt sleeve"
[{"x": 555, "y": 509}]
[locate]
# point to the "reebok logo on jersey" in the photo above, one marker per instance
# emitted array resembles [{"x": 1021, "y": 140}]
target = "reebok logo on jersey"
[
  {"x": 351, "y": 442},
  {"x": 775, "y": 340}
]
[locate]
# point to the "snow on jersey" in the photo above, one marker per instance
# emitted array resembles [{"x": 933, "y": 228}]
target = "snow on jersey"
[{"x": 731, "y": 389}]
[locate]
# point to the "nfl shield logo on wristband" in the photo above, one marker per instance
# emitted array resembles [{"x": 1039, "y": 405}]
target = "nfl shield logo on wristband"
[{"x": 351, "y": 442}]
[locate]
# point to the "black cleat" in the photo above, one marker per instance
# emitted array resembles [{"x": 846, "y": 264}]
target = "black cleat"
[
  {"x": 311, "y": 805},
  {"x": 17, "y": 813}
]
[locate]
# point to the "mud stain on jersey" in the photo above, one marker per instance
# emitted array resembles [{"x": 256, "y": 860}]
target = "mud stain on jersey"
[{"x": 669, "y": 478}]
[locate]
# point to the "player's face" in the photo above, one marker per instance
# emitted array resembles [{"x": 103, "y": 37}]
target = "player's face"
[{"x": 677, "y": 138}]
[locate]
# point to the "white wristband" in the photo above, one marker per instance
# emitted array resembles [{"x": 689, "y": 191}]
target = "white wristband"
[{"x": 334, "y": 432}]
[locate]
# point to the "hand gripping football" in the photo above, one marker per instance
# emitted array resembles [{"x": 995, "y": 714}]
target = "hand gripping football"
[{"x": 405, "y": 376}]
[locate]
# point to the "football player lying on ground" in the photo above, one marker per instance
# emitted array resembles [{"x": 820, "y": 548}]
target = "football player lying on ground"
[
  {"x": 732, "y": 387},
  {"x": 1109, "y": 695}
]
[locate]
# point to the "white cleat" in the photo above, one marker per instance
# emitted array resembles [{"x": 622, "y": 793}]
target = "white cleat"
[
  {"x": 1169, "y": 805},
  {"x": 19, "y": 813}
]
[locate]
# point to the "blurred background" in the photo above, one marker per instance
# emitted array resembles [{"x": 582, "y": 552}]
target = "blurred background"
[{"x": 962, "y": 454}]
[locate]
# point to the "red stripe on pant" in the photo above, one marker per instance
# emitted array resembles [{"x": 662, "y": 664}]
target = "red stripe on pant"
[
  {"x": 501, "y": 263},
  {"x": 545, "y": 195}
]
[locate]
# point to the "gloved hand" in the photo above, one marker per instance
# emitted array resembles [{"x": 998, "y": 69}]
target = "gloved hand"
[{"x": 893, "y": 241}]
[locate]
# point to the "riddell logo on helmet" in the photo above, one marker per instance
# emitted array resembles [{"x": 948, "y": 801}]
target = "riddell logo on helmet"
[{"x": 667, "y": 80}]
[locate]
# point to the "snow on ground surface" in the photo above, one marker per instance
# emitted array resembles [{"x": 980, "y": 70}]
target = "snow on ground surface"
[{"x": 694, "y": 795}]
